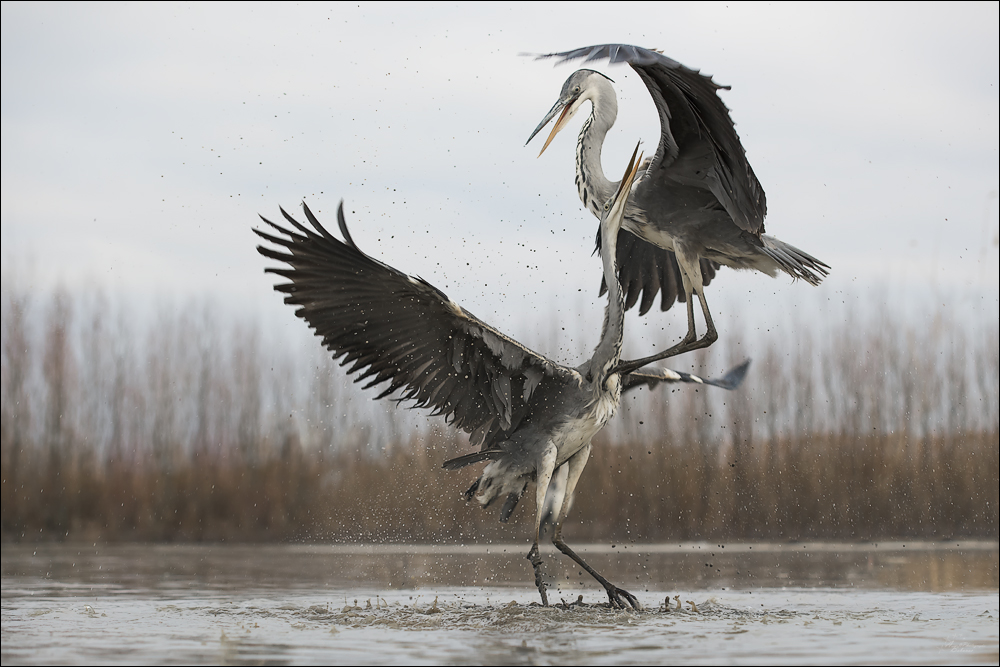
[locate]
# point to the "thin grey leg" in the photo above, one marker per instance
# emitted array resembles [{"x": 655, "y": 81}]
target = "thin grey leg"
[
  {"x": 618, "y": 597},
  {"x": 543, "y": 475}
]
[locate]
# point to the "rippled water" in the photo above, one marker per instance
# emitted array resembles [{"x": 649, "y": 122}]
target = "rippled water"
[{"x": 760, "y": 603}]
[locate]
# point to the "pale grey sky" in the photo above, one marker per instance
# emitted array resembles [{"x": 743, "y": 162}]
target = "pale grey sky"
[{"x": 141, "y": 141}]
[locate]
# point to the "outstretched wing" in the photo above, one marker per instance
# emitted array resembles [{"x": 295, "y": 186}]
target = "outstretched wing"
[
  {"x": 699, "y": 146},
  {"x": 396, "y": 329},
  {"x": 651, "y": 378},
  {"x": 644, "y": 269}
]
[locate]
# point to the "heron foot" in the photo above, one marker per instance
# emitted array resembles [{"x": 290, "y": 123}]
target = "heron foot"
[
  {"x": 688, "y": 344},
  {"x": 536, "y": 564},
  {"x": 622, "y": 599},
  {"x": 691, "y": 342},
  {"x": 710, "y": 337}
]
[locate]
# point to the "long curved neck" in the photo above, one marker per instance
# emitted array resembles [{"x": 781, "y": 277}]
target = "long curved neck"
[
  {"x": 593, "y": 186},
  {"x": 608, "y": 352}
]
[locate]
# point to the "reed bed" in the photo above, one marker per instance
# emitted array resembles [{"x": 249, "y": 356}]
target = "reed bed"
[{"x": 201, "y": 427}]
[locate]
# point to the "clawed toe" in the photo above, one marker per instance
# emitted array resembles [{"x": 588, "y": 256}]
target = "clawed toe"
[{"x": 622, "y": 599}]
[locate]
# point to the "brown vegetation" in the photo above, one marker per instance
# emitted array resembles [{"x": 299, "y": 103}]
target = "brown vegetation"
[{"x": 196, "y": 430}]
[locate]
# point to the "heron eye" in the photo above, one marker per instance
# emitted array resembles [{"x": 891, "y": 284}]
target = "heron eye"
[{"x": 577, "y": 89}]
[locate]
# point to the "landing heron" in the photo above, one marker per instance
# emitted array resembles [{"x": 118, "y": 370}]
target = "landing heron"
[
  {"x": 529, "y": 415},
  {"x": 697, "y": 196}
]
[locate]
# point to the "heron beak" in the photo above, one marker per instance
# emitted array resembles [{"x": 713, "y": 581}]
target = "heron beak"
[
  {"x": 629, "y": 177},
  {"x": 563, "y": 105},
  {"x": 560, "y": 124}
]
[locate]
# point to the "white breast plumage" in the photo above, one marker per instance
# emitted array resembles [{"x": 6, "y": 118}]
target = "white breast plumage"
[
  {"x": 607, "y": 403},
  {"x": 575, "y": 433}
]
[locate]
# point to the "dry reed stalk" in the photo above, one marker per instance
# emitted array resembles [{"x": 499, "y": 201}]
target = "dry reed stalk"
[{"x": 196, "y": 430}]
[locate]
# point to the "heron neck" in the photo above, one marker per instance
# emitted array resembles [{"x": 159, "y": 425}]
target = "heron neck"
[
  {"x": 609, "y": 350},
  {"x": 594, "y": 187}
]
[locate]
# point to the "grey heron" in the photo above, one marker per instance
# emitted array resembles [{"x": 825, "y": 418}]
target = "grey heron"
[
  {"x": 697, "y": 196},
  {"x": 528, "y": 414}
]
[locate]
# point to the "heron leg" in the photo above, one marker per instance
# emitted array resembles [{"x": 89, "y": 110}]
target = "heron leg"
[
  {"x": 680, "y": 348},
  {"x": 689, "y": 262},
  {"x": 690, "y": 267},
  {"x": 619, "y": 598},
  {"x": 711, "y": 335},
  {"x": 535, "y": 558},
  {"x": 692, "y": 333},
  {"x": 543, "y": 475}
]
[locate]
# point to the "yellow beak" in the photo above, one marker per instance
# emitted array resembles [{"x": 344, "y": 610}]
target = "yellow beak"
[{"x": 560, "y": 124}]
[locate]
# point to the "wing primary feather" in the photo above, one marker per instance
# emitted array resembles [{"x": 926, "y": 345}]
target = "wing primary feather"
[
  {"x": 287, "y": 243},
  {"x": 315, "y": 223},
  {"x": 276, "y": 226},
  {"x": 342, "y": 223},
  {"x": 299, "y": 226}
]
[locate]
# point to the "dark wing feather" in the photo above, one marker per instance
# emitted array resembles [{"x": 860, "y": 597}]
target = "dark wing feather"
[
  {"x": 731, "y": 380},
  {"x": 405, "y": 334},
  {"x": 644, "y": 269},
  {"x": 699, "y": 145}
]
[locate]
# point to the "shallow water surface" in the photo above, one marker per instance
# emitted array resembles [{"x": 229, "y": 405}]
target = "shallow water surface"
[{"x": 761, "y": 604}]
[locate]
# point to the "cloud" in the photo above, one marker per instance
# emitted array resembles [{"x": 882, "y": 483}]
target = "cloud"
[{"x": 141, "y": 141}]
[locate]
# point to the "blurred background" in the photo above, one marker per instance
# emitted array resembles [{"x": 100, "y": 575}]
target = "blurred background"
[{"x": 154, "y": 387}]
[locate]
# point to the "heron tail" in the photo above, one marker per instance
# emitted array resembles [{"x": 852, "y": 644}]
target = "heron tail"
[
  {"x": 654, "y": 376},
  {"x": 794, "y": 262},
  {"x": 467, "y": 460},
  {"x": 510, "y": 504}
]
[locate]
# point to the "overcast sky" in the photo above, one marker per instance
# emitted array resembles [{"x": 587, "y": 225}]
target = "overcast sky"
[{"x": 141, "y": 141}]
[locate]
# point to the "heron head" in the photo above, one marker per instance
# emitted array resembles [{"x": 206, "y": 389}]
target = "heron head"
[{"x": 578, "y": 88}]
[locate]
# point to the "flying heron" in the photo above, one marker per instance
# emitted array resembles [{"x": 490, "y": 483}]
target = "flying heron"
[
  {"x": 529, "y": 415},
  {"x": 697, "y": 197}
]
